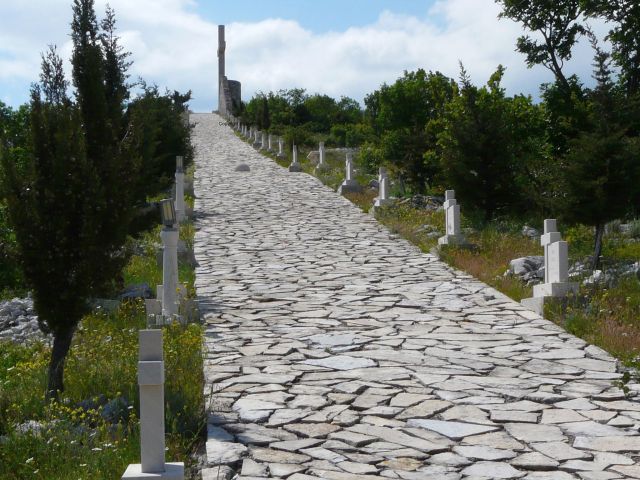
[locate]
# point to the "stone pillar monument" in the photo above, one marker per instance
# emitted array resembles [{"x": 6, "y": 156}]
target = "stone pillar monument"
[
  {"x": 280, "y": 147},
  {"x": 453, "y": 234},
  {"x": 222, "y": 46},
  {"x": 295, "y": 165},
  {"x": 229, "y": 91},
  {"x": 556, "y": 270},
  {"x": 151, "y": 384},
  {"x": 349, "y": 184},
  {"x": 383, "y": 188}
]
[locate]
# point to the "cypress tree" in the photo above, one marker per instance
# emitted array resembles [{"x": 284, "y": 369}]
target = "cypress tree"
[{"x": 71, "y": 205}]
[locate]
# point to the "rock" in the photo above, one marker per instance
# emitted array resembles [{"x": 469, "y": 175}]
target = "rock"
[
  {"x": 530, "y": 232},
  {"x": 523, "y": 265},
  {"x": 423, "y": 202},
  {"x": 137, "y": 291},
  {"x": 492, "y": 470},
  {"x": 224, "y": 453},
  {"x": 342, "y": 362},
  {"x": 374, "y": 184},
  {"x": 243, "y": 167},
  {"x": 453, "y": 430}
]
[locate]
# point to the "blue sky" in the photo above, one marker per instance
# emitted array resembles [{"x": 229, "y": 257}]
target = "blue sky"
[
  {"x": 334, "y": 47},
  {"x": 318, "y": 16}
]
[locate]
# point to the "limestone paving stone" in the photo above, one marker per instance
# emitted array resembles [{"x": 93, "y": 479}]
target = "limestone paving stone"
[{"x": 330, "y": 341}]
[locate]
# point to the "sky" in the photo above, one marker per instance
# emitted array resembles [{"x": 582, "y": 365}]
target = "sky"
[{"x": 333, "y": 47}]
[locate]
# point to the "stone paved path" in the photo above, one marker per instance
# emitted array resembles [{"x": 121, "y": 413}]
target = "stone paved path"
[{"x": 337, "y": 350}]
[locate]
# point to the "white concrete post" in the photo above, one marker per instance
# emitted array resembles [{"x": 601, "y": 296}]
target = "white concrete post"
[
  {"x": 151, "y": 382},
  {"x": 556, "y": 270},
  {"x": 383, "y": 184},
  {"x": 321, "y": 154},
  {"x": 453, "y": 234},
  {"x": 280, "y": 147},
  {"x": 270, "y": 142},
  {"x": 179, "y": 200},
  {"x": 169, "y": 271},
  {"x": 349, "y": 184},
  {"x": 152, "y": 443},
  {"x": 295, "y": 166},
  {"x": 551, "y": 235},
  {"x": 349, "y": 167},
  {"x": 383, "y": 188},
  {"x": 263, "y": 141}
]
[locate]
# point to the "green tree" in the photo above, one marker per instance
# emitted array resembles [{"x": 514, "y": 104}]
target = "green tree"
[
  {"x": 401, "y": 114},
  {"x": 158, "y": 134},
  {"x": 624, "y": 35},
  {"x": 72, "y": 206},
  {"x": 602, "y": 172},
  {"x": 486, "y": 142},
  {"x": 557, "y": 22}
]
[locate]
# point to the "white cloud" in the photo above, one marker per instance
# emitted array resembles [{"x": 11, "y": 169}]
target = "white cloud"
[{"x": 174, "y": 47}]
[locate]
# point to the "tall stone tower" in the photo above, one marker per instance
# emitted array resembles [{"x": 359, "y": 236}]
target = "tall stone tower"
[
  {"x": 229, "y": 91},
  {"x": 222, "y": 46}
]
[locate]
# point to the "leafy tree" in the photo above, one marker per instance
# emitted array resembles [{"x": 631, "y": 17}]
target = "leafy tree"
[
  {"x": 624, "y": 35},
  {"x": 557, "y": 22},
  {"x": 401, "y": 114},
  {"x": 322, "y": 112},
  {"x": 601, "y": 171},
  {"x": 158, "y": 134},
  {"x": 486, "y": 141},
  {"x": 71, "y": 207}
]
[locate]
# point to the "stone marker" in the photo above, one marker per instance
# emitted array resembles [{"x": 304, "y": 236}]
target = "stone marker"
[
  {"x": 179, "y": 200},
  {"x": 556, "y": 270},
  {"x": 263, "y": 141},
  {"x": 295, "y": 166},
  {"x": 322, "y": 165},
  {"x": 169, "y": 238},
  {"x": 349, "y": 184},
  {"x": 257, "y": 139},
  {"x": 280, "y": 147},
  {"x": 151, "y": 383},
  {"x": 383, "y": 189},
  {"x": 270, "y": 147},
  {"x": 453, "y": 235}
]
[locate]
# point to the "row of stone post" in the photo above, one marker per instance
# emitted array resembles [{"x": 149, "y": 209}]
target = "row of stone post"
[
  {"x": 150, "y": 357},
  {"x": 556, "y": 282}
]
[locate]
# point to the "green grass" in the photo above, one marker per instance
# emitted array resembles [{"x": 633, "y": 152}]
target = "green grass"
[
  {"x": 76, "y": 440},
  {"x": 102, "y": 365}
]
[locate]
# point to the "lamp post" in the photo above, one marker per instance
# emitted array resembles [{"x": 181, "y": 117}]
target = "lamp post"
[
  {"x": 179, "y": 205},
  {"x": 169, "y": 236}
]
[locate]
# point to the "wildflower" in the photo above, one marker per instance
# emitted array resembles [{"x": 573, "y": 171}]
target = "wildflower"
[
  {"x": 96, "y": 449},
  {"x": 29, "y": 460}
]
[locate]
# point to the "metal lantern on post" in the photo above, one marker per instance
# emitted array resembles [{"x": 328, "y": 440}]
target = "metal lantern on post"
[{"x": 169, "y": 236}]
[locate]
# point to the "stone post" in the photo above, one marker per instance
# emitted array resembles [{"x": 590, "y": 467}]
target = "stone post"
[
  {"x": 383, "y": 188},
  {"x": 556, "y": 270},
  {"x": 263, "y": 142},
  {"x": 270, "y": 147},
  {"x": 151, "y": 384},
  {"x": 179, "y": 200},
  {"x": 295, "y": 166},
  {"x": 257, "y": 138},
  {"x": 551, "y": 235},
  {"x": 321, "y": 157},
  {"x": 280, "y": 147},
  {"x": 169, "y": 271},
  {"x": 453, "y": 235},
  {"x": 349, "y": 184}
]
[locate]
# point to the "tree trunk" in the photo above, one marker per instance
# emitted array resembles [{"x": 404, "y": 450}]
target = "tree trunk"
[
  {"x": 598, "y": 246},
  {"x": 61, "y": 346}
]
